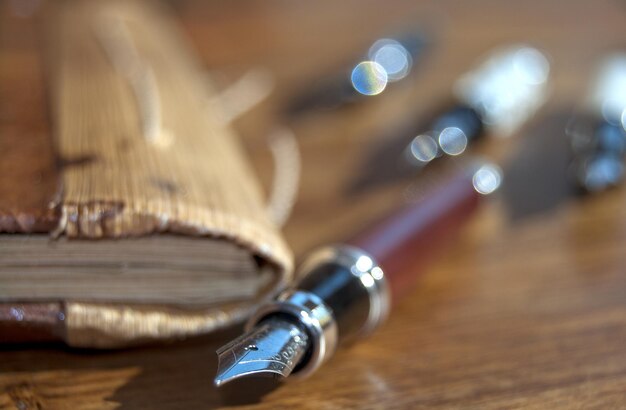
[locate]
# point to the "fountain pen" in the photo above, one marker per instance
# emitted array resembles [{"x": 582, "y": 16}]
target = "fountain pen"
[{"x": 345, "y": 290}]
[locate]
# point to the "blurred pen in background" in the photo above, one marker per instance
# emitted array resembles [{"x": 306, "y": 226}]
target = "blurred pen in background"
[
  {"x": 598, "y": 135},
  {"x": 388, "y": 60},
  {"x": 497, "y": 97}
]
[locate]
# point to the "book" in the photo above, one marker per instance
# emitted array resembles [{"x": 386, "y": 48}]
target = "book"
[{"x": 128, "y": 212}]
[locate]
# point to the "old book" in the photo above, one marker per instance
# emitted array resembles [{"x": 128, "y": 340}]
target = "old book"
[{"x": 127, "y": 210}]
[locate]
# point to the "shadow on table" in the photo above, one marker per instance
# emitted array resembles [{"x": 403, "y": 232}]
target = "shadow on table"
[
  {"x": 537, "y": 178},
  {"x": 172, "y": 376}
]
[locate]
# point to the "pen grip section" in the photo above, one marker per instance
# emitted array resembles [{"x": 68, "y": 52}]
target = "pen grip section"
[{"x": 343, "y": 292}]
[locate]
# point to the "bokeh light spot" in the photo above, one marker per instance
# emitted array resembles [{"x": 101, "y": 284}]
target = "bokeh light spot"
[
  {"x": 487, "y": 179},
  {"x": 393, "y": 57},
  {"x": 369, "y": 78},
  {"x": 423, "y": 148},
  {"x": 453, "y": 140}
]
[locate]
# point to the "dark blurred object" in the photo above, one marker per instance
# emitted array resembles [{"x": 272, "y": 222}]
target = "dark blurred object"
[
  {"x": 536, "y": 174},
  {"x": 399, "y": 154},
  {"x": 497, "y": 96},
  {"x": 598, "y": 154},
  {"x": 598, "y": 138},
  {"x": 22, "y": 323},
  {"x": 388, "y": 60}
]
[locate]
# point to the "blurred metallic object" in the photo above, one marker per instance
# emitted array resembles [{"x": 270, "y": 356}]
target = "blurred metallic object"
[
  {"x": 422, "y": 149},
  {"x": 609, "y": 94},
  {"x": 487, "y": 178},
  {"x": 248, "y": 355},
  {"x": 369, "y": 78},
  {"x": 498, "y": 96},
  {"x": 393, "y": 56},
  {"x": 343, "y": 294},
  {"x": 598, "y": 172},
  {"x": 598, "y": 137},
  {"x": 507, "y": 88},
  {"x": 387, "y": 61},
  {"x": 452, "y": 140}
]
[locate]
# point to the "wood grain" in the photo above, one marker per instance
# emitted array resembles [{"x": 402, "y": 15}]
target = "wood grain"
[{"x": 530, "y": 314}]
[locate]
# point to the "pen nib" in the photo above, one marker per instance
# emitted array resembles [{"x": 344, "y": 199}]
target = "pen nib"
[{"x": 272, "y": 349}]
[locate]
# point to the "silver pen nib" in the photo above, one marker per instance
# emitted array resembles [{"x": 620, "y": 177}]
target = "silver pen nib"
[{"x": 273, "y": 348}]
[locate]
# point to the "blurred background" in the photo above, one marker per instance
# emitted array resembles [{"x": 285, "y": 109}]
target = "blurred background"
[
  {"x": 302, "y": 45},
  {"x": 527, "y": 305}
]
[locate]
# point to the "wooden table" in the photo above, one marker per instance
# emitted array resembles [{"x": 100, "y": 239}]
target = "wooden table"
[{"x": 521, "y": 312}]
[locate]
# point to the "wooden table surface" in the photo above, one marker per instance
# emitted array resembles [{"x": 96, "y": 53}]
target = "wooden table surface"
[{"x": 526, "y": 309}]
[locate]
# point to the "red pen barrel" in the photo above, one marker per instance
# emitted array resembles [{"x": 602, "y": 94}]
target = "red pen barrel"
[
  {"x": 406, "y": 242},
  {"x": 341, "y": 295}
]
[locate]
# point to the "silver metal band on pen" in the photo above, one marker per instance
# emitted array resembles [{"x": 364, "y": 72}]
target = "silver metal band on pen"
[{"x": 317, "y": 317}]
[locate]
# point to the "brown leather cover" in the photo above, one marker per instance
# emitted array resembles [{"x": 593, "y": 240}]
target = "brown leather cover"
[{"x": 29, "y": 181}]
